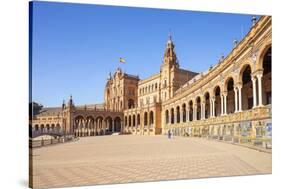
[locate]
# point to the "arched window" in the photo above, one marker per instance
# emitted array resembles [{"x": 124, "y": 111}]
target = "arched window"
[
  {"x": 190, "y": 106},
  {"x": 151, "y": 118},
  {"x": 207, "y": 104},
  {"x": 184, "y": 113},
  {"x": 247, "y": 88},
  {"x": 145, "y": 118},
  {"x": 230, "y": 98},
  {"x": 198, "y": 108},
  {"x": 178, "y": 114},
  {"x": 218, "y": 102},
  {"x": 172, "y": 116}
]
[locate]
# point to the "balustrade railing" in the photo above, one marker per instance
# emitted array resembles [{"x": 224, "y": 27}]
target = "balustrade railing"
[{"x": 37, "y": 133}]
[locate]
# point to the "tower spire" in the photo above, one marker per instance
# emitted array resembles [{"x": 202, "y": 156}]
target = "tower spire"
[
  {"x": 170, "y": 56},
  {"x": 170, "y": 35}
]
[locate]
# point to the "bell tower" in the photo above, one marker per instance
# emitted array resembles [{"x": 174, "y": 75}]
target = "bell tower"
[{"x": 167, "y": 70}]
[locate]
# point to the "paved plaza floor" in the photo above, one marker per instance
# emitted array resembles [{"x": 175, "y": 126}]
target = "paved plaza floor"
[{"x": 127, "y": 158}]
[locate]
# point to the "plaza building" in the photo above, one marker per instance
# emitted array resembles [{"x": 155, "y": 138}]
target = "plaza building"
[{"x": 230, "y": 99}]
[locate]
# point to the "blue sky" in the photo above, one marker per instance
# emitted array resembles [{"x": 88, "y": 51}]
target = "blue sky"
[{"x": 75, "y": 46}]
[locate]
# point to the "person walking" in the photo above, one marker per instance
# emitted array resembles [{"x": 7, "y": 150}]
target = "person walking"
[{"x": 169, "y": 134}]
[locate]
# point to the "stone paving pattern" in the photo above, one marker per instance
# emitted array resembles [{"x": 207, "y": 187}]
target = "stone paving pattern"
[{"x": 123, "y": 159}]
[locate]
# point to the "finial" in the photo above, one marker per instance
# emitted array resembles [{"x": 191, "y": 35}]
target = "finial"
[
  {"x": 235, "y": 42},
  {"x": 170, "y": 37},
  {"x": 254, "y": 20},
  {"x": 63, "y": 104},
  {"x": 170, "y": 34},
  {"x": 71, "y": 97}
]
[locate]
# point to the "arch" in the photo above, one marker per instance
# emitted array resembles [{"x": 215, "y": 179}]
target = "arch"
[
  {"x": 117, "y": 124},
  {"x": 47, "y": 127},
  {"x": 218, "y": 102},
  {"x": 262, "y": 53},
  {"x": 53, "y": 127},
  {"x": 78, "y": 117},
  {"x": 230, "y": 98},
  {"x": 42, "y": 128},
  {"x": 172, "y": 116},
  {"x": 167, "y": 116},
  {"x": 58, "y": 127},
  {"x": 99, "y": 125},
  {"x": 190, "y": 109},
  {"x": 90, "y": 122},
  {"x": 151, "y": 118},
  {"x": 207, "y": 99},
  {"x": 145, "y": 119},
  {"x": 109, "y": 124},
  {"x": 247, "y": 87},
  {"x": 246, "y": 66},
  {"x": 266, "y": 78},
  {"x": 183, "y": 107},
  {"x": 78, "y": 124},
  {"x": 36, "y": 127},
  {"x": 178, "y": 113},
  {"x": 198, "y": 107}
]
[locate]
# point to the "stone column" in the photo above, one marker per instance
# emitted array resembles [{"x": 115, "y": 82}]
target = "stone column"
[
  {"x": 259, "y": 76},
  {"x": 211, "y": 107},
  {"x": 103, "y": 126},
  {"x": 225, "y": 103},
  {"x": 194, "y": 113},
  {"x": 181, "y": 114},
  {"x": 203, "y": 110},
  {"x": 187, "y": 114},
  {"x": 254, "y": 92},
  {"x": 222, "y": 102},
  {"x": 214, "y": 106},
  {"x": 240, "y": 97},
  {"x": 236, "y": 98},
  {"x": 113, "y": 125}
]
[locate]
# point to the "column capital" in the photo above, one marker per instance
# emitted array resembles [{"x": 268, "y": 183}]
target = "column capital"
[
  {"x": 259, "y": 76},
  {"x": 253, "y": 78},
  {"x": 238, "y": 85},
  {"x": 224, "y": 93},
  {"x": 258, "y": 73}
]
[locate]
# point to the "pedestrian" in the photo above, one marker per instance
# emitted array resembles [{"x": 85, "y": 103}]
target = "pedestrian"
[{"x": 169, "y": 134}]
